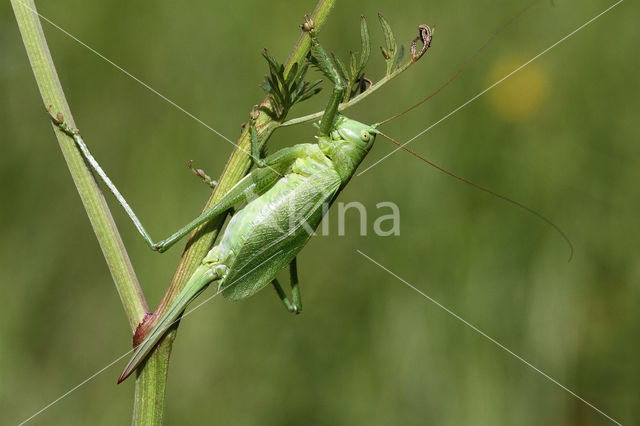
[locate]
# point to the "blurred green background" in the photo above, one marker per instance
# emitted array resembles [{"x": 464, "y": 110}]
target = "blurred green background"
[{"x": 561, "y": 137}]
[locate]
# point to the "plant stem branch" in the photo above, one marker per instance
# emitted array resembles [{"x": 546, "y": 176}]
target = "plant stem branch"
[
  {"x": 94, "y": 203},
  {"x": 150, "y": 385}
]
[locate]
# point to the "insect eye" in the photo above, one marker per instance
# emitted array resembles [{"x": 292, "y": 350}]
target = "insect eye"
[{"x": 365, "y": 136}]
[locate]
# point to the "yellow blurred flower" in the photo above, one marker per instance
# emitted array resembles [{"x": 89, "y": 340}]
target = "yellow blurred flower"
[{"x": 519, "y": 97}]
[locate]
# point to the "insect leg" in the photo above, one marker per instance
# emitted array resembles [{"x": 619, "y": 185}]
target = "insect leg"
[
  {"x": 58, "y": 120},
  {"x": 296, "y": 306},
  {"x": 322, "y": 60},
  {"x": 295, "y": 288},
  {"x": 283, "y": 296},
  {"x": 256, "y": 183}
]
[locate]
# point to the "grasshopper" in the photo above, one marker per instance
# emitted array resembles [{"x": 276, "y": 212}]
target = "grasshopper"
[{"x": 286, "y": 193}]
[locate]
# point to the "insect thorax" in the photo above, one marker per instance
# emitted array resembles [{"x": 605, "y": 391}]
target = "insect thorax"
[{"x": 347, "y": 145}]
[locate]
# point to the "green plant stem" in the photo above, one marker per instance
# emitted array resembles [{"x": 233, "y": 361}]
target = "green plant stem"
[
  {"x": 201, "y": 239},
  {"x": 94, "y": 203},
  {"x": 150, "y": 385}
]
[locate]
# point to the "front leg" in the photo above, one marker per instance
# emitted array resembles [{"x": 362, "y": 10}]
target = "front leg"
[{"x": 322, "y": 60}]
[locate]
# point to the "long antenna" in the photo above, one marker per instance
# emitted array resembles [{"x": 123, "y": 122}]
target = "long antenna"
[
  {"x": 467, "y": 63},
  {"x": 495, "y": 194}
]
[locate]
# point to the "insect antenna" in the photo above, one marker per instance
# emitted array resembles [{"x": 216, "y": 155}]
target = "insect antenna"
[
  {"x": 467, "y": 63},
  {"x": 482, "y": 188}
]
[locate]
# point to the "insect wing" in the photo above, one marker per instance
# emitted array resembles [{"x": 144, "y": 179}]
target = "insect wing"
[{"x": 284, "y": 219}]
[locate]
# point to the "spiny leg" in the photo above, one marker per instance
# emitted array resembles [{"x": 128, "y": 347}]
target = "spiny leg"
[
  {"x": 257, "y": 182},
  {"x": 58, "y": 120}
]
